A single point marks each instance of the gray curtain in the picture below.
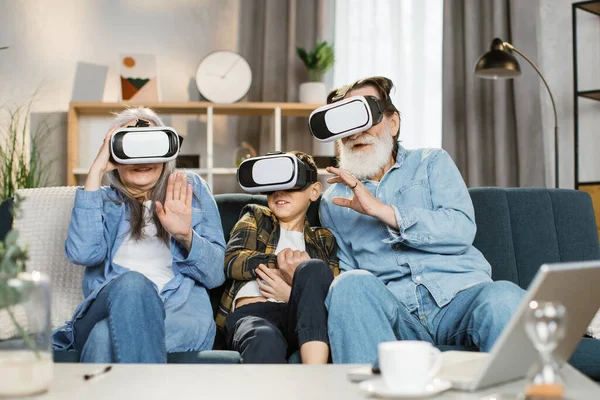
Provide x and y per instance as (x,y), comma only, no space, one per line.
(269,32)
(492,129)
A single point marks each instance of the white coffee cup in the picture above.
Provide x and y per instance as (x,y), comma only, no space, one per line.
(407,366)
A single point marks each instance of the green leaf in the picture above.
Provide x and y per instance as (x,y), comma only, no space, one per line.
(319,60)
(4,48)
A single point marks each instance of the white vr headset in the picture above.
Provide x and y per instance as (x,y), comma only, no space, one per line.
(273,172)
(344,118)
(145,145)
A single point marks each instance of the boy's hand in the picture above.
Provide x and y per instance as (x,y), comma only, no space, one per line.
(275,287)
(288,260)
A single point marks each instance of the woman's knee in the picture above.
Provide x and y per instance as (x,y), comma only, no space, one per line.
(132,281)
(131,286)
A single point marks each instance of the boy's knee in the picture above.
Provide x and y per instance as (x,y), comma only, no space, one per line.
(313,270)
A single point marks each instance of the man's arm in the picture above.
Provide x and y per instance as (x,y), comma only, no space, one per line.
(450,227)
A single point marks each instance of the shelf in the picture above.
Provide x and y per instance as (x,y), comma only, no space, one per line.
(201,107)
(592,183)
(590,94)
(273,109)
(589,6)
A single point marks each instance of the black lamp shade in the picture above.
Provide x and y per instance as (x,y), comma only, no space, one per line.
(497,63)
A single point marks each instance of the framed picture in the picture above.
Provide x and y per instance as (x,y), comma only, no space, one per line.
(139,81)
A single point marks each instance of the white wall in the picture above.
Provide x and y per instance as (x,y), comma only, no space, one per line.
(556,63)
(48,38)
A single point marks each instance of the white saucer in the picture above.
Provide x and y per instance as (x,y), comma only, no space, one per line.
(377,387)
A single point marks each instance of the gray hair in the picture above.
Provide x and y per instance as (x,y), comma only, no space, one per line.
(159,191)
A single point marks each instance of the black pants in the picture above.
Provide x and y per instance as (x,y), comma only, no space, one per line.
(268,333)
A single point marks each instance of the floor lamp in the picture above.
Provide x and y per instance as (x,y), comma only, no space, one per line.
(500,63)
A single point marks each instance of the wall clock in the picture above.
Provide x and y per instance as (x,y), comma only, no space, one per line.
(223,77)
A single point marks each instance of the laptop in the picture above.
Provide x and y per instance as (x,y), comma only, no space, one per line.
(573,284)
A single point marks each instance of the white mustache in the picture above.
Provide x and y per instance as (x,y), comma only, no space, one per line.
(351,143)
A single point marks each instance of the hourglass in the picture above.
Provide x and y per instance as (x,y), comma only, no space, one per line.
(545,325)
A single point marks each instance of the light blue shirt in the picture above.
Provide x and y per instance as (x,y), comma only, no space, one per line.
(434,243)
(100,223)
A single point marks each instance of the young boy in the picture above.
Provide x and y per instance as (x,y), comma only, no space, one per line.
(282,269)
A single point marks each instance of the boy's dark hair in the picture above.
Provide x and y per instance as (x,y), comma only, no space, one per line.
(306,159)
(382,85)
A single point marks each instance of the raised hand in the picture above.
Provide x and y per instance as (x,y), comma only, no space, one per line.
(363,201)
(101,164)
(176,214)
(288,260)
(273,287)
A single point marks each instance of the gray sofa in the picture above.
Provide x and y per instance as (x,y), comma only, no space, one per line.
(518,230)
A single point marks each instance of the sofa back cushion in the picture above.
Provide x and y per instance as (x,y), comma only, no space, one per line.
(520,229)
(42,226)
(231,205)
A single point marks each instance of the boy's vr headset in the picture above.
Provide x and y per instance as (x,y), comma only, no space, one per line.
(344,118)
(143,144)
(273,172)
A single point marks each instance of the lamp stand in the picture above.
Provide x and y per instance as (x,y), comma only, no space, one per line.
(510,46)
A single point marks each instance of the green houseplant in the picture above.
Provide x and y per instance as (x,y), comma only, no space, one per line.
(20,168)
(25,328)
(317,61)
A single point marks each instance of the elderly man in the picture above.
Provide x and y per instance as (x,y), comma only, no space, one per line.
(404,224)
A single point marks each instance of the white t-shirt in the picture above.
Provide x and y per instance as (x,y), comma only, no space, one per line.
(149,256)
(287,240)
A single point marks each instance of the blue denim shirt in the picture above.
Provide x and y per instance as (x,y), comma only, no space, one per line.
(434,244)
(99,224)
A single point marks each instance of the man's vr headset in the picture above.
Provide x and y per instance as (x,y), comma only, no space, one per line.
(143,144)
(273,172)
(344,118)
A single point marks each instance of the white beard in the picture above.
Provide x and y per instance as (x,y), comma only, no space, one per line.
(367,164)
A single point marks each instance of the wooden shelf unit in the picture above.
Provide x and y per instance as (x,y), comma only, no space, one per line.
(276,110)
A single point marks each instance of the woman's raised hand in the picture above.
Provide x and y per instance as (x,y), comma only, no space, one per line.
(176,214)
(101,164)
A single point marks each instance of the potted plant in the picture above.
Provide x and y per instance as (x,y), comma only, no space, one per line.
(21,164)
(317,62)
(25,327)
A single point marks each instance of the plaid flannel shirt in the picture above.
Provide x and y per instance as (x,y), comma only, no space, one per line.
(253,241)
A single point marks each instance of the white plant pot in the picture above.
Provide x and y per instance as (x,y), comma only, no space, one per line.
(312,93)
(26,366)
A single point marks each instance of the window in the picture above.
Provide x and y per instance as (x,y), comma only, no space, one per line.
(402,41)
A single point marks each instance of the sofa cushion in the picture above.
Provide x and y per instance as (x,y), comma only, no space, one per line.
(42,225)
(586,358)
(519,229)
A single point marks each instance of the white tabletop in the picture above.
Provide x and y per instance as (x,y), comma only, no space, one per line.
(247,382)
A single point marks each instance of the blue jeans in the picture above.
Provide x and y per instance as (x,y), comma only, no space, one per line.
(363,312)
(124,324)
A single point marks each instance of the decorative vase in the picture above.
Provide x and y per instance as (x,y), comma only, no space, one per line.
(26,365)
(312,93)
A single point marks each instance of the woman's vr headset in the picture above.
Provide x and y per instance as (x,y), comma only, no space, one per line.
(344,118)
(273,172)
(144,144)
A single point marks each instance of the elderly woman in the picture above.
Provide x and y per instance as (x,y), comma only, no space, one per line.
(152,244)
